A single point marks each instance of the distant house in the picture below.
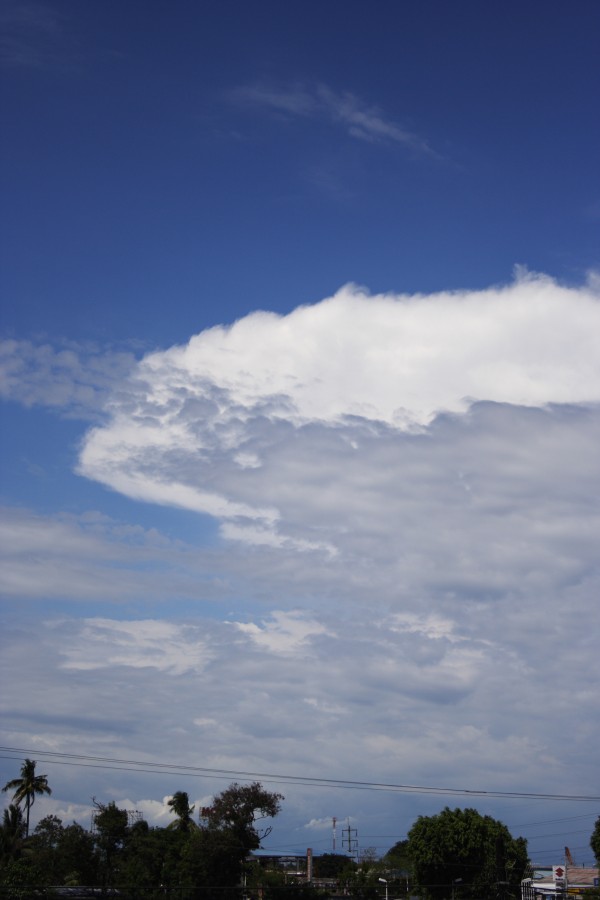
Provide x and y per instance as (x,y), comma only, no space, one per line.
(552,882)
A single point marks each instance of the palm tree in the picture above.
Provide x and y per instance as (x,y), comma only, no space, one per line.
(180,804)
(26,787)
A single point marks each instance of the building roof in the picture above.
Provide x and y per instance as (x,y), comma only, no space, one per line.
(577,876)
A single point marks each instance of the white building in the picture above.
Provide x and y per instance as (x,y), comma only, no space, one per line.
(559,881)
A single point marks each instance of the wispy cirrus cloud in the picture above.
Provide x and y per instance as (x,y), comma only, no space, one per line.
(343,109)
(32,34)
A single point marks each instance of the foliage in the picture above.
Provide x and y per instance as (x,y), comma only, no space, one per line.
(463,854)
(150,859)
(215,854)
(64,854)
(137,858)
(595,841)
(110,824)
(398,857)
(17,878)
(398,868)
(187,860)
(368,858)
(212,859)
(76,853)
(238,808)
(180,805)
(332,865)
(277,885)
(12,832)
(363,883)
(27,787)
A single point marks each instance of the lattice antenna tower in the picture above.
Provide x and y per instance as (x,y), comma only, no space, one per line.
(133,816)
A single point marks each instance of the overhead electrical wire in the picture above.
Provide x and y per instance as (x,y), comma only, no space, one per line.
(555,821)
(129,765)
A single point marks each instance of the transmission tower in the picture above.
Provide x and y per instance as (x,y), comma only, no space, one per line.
(350,840)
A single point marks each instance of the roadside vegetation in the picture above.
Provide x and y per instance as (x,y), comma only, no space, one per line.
(207,855)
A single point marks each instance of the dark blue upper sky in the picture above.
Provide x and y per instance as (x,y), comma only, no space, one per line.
(138,178)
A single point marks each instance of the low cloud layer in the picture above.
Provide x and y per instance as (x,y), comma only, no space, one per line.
(412,482)
(75,378)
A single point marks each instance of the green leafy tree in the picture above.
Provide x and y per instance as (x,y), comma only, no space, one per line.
(27,787)
(332,865)
(273,884)
(64,854)
(213,863)
(110,826)
(19,879)
(460,853)
(237,810)
(147,863)
(214,855)
(595,841)
(398,868)
(363,883)
(141,867)
(19,873)
(43,847)
(77,857)
(12,832)
(398,856)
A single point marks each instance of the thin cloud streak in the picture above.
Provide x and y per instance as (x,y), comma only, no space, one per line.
(94,559)
(345,109)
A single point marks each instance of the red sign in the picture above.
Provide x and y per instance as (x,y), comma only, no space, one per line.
(558,874)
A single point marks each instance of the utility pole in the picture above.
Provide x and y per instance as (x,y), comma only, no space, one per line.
(350,840)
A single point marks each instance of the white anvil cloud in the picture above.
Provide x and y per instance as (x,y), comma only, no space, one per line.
(395,358)
(196,424)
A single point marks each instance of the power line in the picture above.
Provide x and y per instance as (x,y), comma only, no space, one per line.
(129,765)
(555,821)
(542,837)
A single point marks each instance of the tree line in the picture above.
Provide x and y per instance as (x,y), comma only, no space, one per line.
(187,859)
(457,853)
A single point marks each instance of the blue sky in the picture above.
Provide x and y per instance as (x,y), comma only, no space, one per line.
(300,379)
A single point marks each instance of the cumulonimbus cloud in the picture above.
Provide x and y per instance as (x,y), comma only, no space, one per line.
(407,492)
(194,425)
